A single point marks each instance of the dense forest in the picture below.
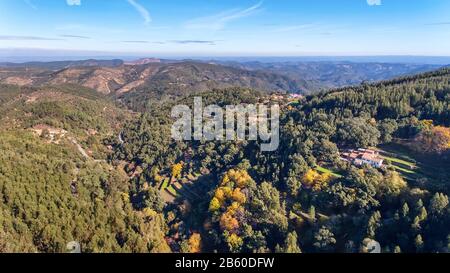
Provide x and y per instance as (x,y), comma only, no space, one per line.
(147,193)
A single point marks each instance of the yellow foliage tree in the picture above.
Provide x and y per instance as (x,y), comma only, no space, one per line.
(223,193)
(214,205)
(434,140)
(195,243)
(393,183)
(240,178)
(315,181)
(322,181)
(225,180)
(238,196)
(234,242)
(235,206)
(229,200)
(309,178)
(176,170)
(219,195)
(228,222)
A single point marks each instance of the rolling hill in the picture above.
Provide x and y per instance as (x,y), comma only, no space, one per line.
(173,78)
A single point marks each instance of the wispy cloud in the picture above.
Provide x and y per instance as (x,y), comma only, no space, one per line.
(220,20)
(142,11)
(136,42)
(27,38)
(374,2)
(182,42)
(75,36)
(73,2)
(193,42)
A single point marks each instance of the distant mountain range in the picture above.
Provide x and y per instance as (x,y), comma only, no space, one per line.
(326,75)
(116,77)
(151,79)
(63,64)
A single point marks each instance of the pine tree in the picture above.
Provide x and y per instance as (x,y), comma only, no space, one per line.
(291,243)
(438,203)
(419,243)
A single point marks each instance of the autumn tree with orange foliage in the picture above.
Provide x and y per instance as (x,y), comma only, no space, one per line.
(228,203)
(434,140)
(195,243)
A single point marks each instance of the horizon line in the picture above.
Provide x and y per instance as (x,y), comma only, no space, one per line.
(99,53)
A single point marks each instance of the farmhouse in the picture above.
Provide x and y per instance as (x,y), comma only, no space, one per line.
(48,131)
(363,156)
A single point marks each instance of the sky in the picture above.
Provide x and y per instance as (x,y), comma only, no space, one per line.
(228,27)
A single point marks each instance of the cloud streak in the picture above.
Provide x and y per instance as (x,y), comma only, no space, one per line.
(181,42)
(136,42)
(145,14)
(220,20)
(374,2)
(184,42)
(73,2)
(27,38)
(75,36)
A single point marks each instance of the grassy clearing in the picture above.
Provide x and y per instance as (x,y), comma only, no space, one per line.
(325,170)
(172,191)
(403,170)
(400,161)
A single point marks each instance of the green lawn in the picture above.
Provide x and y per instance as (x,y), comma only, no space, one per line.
(172,191)
(404,170)
(165,184)
(400,161)
(324,170)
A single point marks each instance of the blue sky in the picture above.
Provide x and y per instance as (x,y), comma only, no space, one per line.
(229,27)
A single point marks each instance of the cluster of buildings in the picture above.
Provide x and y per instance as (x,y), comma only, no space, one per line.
(49,132)
(363,156)
(281,98)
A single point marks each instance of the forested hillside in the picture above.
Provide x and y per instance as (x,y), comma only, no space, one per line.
(303,197)
(143,192)
(55,184)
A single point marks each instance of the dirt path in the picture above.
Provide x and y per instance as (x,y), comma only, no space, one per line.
(121,139)
(83,151)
